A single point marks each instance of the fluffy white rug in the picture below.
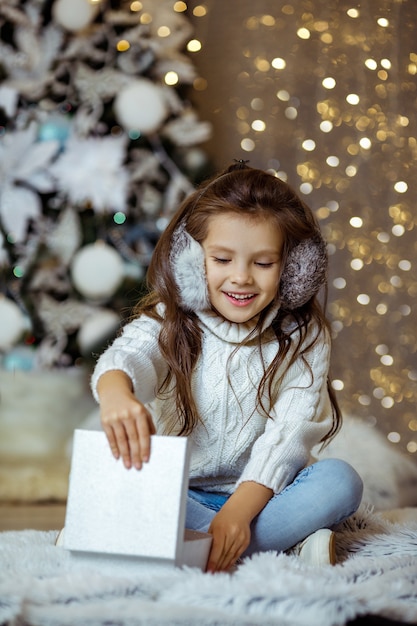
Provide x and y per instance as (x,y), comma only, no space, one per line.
(376,574)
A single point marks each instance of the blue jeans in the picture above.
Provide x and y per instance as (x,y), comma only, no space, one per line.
(321,496)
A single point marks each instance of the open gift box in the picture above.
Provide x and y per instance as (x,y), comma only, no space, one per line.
(126,518)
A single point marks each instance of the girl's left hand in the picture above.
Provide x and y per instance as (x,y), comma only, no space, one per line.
(231,537)
(231,526)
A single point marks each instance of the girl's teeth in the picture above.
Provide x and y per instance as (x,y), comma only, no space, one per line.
(240,297)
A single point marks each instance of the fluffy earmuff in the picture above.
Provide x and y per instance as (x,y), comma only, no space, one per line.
(304,272)
(188,268)
(303,275)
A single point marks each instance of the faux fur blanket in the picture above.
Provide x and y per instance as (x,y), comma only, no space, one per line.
(376,574)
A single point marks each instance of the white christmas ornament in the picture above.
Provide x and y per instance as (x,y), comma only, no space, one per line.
(141,106)
(97,270)
(101,326)
(12,323)
(74,15)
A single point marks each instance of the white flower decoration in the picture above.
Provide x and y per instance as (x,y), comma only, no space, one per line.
(30,67)
(91,171)
(23,171)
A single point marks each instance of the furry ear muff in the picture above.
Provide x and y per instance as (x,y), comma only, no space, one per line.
(188,267)
(304,272)
(303,275)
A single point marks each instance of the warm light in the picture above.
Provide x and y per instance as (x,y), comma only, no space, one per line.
(257,104)
(136,6)
(404,265)
(339,283)
(171,78)
(283,95)
(352,98)
(278,63)
(371,64)
(303,33)
(333,161)
(200,10)
(163,31)
(309,145)
(194,45)
(401,186)
(146,18)
(262,64)
(267,20)
(306,188)
(258,125)
(123,45)
(365,143)
(326,126)
(398,230)
(353,13)
(247,144)
(351,171)
(291,113)
(363,299)
(328,83)
(387,360)
(394,437)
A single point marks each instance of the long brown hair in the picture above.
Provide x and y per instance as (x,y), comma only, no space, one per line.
(252,193)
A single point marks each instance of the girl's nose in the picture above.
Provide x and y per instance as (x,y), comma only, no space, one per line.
(241,275)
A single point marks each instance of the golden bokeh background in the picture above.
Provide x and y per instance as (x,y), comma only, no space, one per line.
(323,93)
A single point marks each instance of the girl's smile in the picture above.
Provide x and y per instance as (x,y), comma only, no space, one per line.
(242,264)
(241,299)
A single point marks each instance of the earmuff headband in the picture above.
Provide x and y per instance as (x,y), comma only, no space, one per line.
(303,275)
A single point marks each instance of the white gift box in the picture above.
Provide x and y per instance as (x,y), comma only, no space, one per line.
(126,518)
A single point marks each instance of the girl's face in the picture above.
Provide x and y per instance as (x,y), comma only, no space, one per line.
(243,258)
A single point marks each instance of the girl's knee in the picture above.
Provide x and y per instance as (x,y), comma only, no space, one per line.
(345,480)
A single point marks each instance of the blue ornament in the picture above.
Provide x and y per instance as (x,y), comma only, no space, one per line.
(56,128)
(19,358)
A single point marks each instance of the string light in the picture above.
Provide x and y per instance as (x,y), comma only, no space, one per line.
(325,101)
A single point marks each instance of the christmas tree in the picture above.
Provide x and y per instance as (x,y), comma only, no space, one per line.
(98,145)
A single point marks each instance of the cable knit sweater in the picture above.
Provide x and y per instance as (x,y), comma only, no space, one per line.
(234,441)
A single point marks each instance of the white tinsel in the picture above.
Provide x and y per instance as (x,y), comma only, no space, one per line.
(91,171)
(66,237)
(22,160)
(187,130)
(29,69)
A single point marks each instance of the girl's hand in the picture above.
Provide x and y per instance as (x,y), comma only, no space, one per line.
(231,526)
(231,537)
(126,421)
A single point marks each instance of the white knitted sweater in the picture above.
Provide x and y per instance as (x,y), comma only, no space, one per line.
(234,442)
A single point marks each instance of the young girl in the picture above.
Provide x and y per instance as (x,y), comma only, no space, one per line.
(231,348)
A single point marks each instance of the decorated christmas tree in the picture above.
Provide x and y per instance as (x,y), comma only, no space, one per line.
(98,145)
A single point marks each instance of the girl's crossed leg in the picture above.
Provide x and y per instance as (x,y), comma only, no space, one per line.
(321,496)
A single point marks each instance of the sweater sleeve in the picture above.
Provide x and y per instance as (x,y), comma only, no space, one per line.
(135,352)
(301,416)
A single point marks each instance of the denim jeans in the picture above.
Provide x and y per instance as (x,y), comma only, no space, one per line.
(321,496)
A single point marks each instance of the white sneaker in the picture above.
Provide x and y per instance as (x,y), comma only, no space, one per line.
(318,548)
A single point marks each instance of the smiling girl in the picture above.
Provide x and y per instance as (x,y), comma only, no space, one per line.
(231,348)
